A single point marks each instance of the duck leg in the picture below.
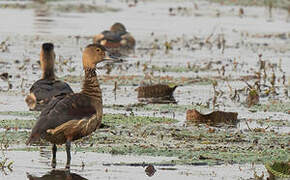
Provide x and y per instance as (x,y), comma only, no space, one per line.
(53,162)
(67,148)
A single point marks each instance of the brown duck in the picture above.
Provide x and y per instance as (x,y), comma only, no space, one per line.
(71,117)
(43,90)
(116,39)
(158,93)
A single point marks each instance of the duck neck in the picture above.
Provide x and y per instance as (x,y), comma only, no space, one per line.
(48,74)
(91,85)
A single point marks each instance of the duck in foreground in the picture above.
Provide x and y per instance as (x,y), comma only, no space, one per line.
(71,117)
(43,90)
(117,40)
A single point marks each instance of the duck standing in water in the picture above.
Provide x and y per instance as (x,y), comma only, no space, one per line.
(117,40)
(71,117)
(43,90)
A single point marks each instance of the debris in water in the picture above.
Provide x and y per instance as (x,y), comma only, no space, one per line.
(150,170)
(4,76)
(241,12)
(253,96)
(257,177)
(278,170)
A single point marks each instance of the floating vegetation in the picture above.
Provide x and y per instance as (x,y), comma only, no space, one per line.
(214,66)
(83,8)
(108,119)
(157,107)
(276,3)
(272,106)
(115,119)
(66,8)
(5,163)
(190,145)
(20,113)
(136,79)
(278,170)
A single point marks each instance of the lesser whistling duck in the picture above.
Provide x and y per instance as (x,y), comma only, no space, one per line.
(43,90)
(71,117)
(158,93)
(116,39)
(214,118)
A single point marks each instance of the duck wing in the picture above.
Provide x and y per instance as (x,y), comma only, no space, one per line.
(62,109)
(111,36)
(45,89)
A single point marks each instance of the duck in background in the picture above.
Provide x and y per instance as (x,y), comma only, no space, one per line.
(43,90)
(157,93)
(117,40)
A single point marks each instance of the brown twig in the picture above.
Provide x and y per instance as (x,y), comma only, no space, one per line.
(248,126)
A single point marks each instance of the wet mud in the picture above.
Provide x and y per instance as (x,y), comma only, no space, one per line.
(221,59)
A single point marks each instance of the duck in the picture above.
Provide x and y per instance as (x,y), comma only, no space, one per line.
(71,117)
(47,87)
(117,40)
(156,93)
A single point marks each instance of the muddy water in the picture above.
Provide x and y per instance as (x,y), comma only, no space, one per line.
(99,166)
(24,39)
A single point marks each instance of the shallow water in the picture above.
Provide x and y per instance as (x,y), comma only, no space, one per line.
(70,32)
(95,167)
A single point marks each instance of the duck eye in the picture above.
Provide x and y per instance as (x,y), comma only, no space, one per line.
(98,50)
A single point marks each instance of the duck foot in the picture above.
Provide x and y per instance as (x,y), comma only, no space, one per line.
(53,164)
(53,161)
(67,148)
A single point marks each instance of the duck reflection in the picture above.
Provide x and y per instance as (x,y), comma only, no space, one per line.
(43,20)
(57,175)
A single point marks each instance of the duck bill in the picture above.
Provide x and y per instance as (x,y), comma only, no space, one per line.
(110,58)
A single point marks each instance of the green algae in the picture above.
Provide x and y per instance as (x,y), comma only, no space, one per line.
(279,169)
(84,8)
(283,168)
(66,8)
(157,136)
(134,80)
(276,3)
(16,124)
(273,123)
(272,106)
(158,107)
(115,119)
(175,68)
(20,113)
(108,119)
(189,145)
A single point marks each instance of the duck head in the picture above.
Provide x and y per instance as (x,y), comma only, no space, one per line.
(94,54)
(118,27)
